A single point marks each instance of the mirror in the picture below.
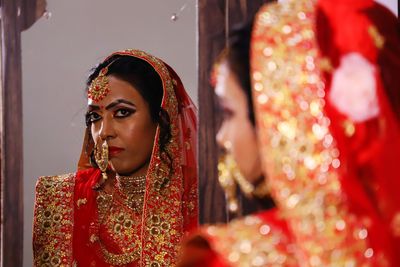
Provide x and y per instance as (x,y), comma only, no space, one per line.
(57,53)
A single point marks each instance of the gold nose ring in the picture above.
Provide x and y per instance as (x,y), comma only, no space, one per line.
(228,145)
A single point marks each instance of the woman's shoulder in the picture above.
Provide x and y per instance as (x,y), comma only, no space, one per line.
(51,182)
(55,182)
(260,223)
(53,218)
(56,179)
(263,236)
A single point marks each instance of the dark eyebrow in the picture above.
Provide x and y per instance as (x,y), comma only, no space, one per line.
(111,105)
(93,107)
(116,102)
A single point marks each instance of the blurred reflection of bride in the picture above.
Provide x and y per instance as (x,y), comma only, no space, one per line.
(326,102)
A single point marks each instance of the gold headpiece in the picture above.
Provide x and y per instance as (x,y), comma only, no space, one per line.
(99,88)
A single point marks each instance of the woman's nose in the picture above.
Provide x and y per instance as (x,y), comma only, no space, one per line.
(222,137)
(107,130)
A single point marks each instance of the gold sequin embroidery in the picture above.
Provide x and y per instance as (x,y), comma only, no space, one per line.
(53,221)
(301,157)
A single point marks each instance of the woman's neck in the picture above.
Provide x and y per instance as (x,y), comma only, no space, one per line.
(132,185)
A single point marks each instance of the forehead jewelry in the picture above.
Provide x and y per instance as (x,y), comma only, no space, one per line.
(99,88)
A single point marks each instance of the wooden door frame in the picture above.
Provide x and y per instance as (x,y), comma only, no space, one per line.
(16,16)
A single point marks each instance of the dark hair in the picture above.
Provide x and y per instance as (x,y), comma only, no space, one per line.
(237,55)
(143,77)
(388,57)
(137,73)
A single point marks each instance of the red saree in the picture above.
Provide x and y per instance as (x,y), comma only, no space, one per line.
(72,227)
(261,239)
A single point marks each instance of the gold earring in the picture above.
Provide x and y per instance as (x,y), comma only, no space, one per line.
(229,177)
(101,158)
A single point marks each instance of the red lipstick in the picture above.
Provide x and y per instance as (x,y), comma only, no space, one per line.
(113,150)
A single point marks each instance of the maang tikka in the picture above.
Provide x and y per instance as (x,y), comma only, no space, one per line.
(101,158)
(99,88)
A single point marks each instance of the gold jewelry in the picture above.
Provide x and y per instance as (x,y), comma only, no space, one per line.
(132,191)
(99,88)
(230,176)
(121,259)
(261,189)
(227,182)
(101,158)
(377,38)
(228,145)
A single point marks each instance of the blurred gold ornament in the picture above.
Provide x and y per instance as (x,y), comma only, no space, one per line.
(99,87)
(229,177)
(101,158)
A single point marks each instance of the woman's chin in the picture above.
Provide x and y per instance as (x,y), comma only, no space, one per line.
(117,168)
(123,167)
(251,176)
(248,175)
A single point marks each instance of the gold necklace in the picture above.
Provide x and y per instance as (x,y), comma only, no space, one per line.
(120,259)
(131,190)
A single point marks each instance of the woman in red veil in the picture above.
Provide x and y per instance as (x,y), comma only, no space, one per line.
(134,195)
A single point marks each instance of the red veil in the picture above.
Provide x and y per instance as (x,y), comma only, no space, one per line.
(170,205)
(334,178)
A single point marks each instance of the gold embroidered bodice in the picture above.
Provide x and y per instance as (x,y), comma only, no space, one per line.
(119,225)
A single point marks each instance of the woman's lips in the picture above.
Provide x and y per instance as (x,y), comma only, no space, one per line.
(113,150)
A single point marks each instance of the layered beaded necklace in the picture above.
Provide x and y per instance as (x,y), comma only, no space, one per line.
(131,190)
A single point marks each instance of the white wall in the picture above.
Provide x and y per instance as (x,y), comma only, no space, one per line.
(391,4)
(57,55)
